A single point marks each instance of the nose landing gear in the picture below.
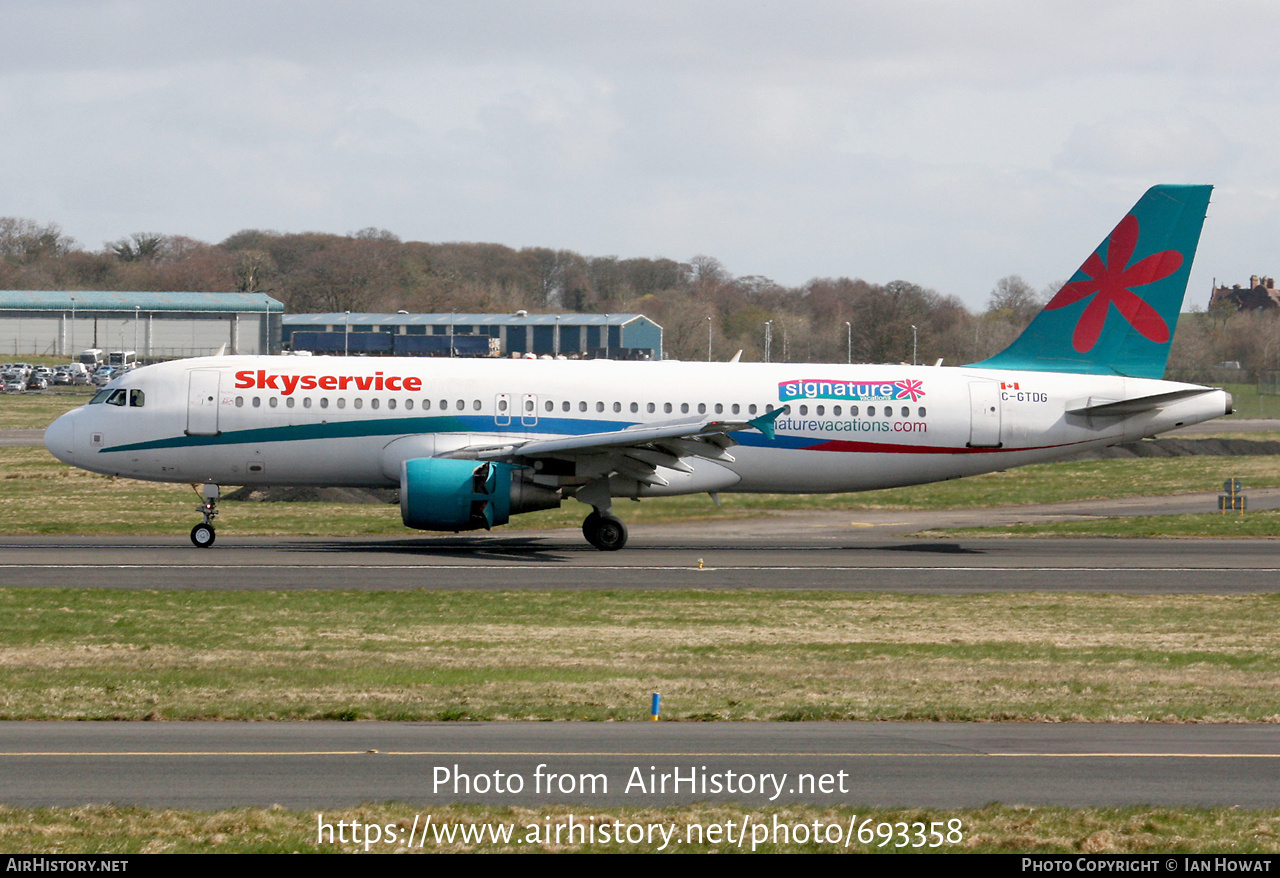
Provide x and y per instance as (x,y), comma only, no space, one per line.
(203,534)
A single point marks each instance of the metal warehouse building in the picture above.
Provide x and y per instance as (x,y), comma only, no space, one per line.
(615,336)
(156,325)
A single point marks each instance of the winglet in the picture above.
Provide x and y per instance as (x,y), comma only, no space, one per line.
(764,423)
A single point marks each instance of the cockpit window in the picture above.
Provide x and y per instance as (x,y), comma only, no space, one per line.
(100,397)
(117,397)
(137,398)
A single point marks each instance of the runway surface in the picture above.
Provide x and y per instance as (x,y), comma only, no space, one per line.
(942,765)
(754,554)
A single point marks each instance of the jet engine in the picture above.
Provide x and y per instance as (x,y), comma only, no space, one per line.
(453,495)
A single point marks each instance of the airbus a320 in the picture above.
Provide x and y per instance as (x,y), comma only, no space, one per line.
(472,442)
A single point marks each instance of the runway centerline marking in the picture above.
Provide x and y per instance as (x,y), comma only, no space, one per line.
(629,755)
(618,567)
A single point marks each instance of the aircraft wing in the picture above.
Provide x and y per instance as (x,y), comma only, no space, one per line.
(635,452)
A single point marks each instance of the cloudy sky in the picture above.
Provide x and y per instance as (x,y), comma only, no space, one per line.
(945,143)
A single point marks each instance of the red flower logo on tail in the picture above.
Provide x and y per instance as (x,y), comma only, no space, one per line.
(1111,283)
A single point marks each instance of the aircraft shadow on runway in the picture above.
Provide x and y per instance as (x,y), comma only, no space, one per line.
(470,548)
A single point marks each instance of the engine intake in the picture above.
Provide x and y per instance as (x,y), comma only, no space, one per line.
(445,494)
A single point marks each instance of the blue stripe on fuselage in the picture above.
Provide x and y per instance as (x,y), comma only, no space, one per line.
(377,427)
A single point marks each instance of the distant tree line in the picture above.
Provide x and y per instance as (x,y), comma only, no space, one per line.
(824,320)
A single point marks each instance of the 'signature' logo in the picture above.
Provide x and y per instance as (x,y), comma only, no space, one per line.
(824,388)
(261,379)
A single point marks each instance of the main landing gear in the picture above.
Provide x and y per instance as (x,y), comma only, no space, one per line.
(606,533)
(203,534)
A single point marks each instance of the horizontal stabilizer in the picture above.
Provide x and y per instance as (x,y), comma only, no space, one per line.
(1125,407)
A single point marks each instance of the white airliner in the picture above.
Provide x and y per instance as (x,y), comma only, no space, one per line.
(471,442)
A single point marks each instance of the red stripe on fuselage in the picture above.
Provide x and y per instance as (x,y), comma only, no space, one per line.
(886,448)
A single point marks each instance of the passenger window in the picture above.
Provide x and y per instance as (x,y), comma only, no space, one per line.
(617,406)
(408,404)
(550,406)
(239,402)
(819,410)
(306,403)
(599,406)
(324,402)
(736,408)
(475,404)
(804,410)
(582,406)
(257,402)
(906,411)
(666,407)
(137,398)
(564,406)
(922,411)
(684,408)
(871,411)
(358,402)
(635,407)
(853,411)
(342,402)
(835,410)
(373,403)
(288,403)
(651,408)
(719,409)
(274,401)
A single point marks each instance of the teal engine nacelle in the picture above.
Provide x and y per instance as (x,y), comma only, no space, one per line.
(445,494)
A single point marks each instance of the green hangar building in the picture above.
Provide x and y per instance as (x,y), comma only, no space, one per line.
(155,325)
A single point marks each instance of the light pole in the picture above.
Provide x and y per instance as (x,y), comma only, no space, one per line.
(346,336)
(849,341)
(768,338)
(915,338)
(708,339)
(73,327)
(135,331)
(556,340)
(606,336)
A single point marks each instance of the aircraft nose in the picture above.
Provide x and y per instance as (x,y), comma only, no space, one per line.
(60,439)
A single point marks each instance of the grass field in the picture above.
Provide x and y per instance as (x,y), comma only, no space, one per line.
(735,655)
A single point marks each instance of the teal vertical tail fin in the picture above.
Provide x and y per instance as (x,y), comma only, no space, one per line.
(1117,314)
